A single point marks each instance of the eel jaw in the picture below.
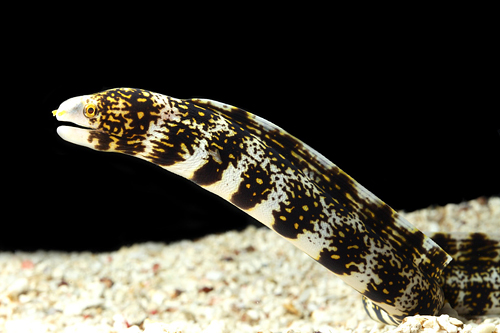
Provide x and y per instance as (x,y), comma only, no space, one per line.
(76,135)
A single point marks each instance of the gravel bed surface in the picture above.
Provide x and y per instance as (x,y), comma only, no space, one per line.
(249,281)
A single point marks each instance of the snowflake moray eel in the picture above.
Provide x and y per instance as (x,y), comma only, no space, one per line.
(298,193)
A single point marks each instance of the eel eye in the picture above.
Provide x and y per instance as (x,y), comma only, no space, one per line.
(90,110)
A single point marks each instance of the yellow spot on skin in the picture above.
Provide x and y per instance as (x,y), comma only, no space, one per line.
(184,148)
(60,113)
(341,234)
(183,106)
(385,291)
(141,100)
(353,263)
(140,115)
(265,191)
(259,181)
(282,218)
(296,226)
(126,96)
(305,208)
(335,256)
(279,144)
(201,114)
(217,146)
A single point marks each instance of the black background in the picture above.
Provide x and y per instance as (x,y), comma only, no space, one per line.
(410,113)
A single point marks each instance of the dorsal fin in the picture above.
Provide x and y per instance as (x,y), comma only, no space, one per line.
(312,163)
(427,254)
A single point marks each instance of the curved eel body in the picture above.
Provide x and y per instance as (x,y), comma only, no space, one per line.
(292,189)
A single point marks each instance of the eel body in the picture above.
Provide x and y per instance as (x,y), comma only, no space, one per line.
(289,187)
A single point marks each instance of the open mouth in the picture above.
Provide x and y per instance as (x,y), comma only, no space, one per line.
(70,124)
(65,125)
(77,134)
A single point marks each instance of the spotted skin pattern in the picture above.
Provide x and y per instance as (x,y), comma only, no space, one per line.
(472,283)
(280,181)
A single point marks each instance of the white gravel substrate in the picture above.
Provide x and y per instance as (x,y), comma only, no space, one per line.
(250,281)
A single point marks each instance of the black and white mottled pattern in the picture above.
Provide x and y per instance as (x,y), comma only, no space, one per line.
(471,282)
(280,181)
